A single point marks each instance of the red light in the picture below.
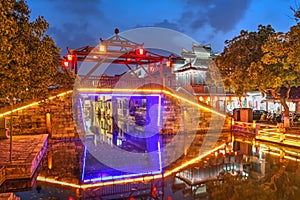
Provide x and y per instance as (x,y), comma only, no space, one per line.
(128,59)
(168,63)
(140,51)
(154,191)
(131,198)
(69,57)
(65,64)
(71,198)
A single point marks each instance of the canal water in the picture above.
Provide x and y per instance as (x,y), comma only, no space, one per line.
(241,169)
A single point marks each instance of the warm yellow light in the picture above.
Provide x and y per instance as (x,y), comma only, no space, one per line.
(49,180)
(292,152)
(34,104)
(292,135)
(254,124)
(192,161)
(50,160)
(119,90)
(191,102)
(99,184)
(102,48)
(291,158)
(124,181)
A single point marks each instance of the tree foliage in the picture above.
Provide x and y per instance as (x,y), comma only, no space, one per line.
(29,57)
(279,66)
(239,55)
(263,61)
(279,183)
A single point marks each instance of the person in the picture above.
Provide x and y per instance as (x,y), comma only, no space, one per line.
(269,116)
(262,117)
(292,119)
(274,116)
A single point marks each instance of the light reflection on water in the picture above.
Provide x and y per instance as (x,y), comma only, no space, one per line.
(257,162)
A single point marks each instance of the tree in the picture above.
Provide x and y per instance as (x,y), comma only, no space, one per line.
(239,54)
(262,61)
(279,67)
(29,57)
(296,11)
(13,70)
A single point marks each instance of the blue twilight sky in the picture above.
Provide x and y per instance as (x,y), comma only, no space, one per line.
(77,23)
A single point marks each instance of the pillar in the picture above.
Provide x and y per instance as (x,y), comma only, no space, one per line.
(48,122)
(298,107)
(2,128)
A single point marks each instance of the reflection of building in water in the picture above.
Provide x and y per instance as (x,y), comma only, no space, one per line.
(116,118)
(243,159)
(254,163)
(105,123)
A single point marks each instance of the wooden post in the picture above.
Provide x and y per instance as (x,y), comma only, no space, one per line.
(2,128)
(297,107)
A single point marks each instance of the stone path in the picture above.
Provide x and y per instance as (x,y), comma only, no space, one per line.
(27,153)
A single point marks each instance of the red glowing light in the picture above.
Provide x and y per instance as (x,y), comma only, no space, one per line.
(168,63)
(65,64)
(69,57)
(154,191)
(128,59)
(140,51)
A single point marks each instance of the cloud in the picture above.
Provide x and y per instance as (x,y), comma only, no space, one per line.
(78,8)
(221,15)
(164,24)
(74,23)
(72,35)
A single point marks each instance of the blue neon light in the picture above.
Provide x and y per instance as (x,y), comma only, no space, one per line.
(83,167)
(106,178)
(115,94)
(159,106)
(159,156)
(82,117)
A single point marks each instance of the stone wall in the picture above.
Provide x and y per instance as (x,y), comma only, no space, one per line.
(54,118)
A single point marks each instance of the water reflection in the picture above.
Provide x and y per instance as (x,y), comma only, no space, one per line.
(244,168)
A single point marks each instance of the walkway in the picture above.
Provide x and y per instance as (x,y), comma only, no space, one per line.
(269,133)
(27,153)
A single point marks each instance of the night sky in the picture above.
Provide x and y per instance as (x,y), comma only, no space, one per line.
(77,23)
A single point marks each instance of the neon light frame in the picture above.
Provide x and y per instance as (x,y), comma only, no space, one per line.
(118,177)
(129,95)
(124,181)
